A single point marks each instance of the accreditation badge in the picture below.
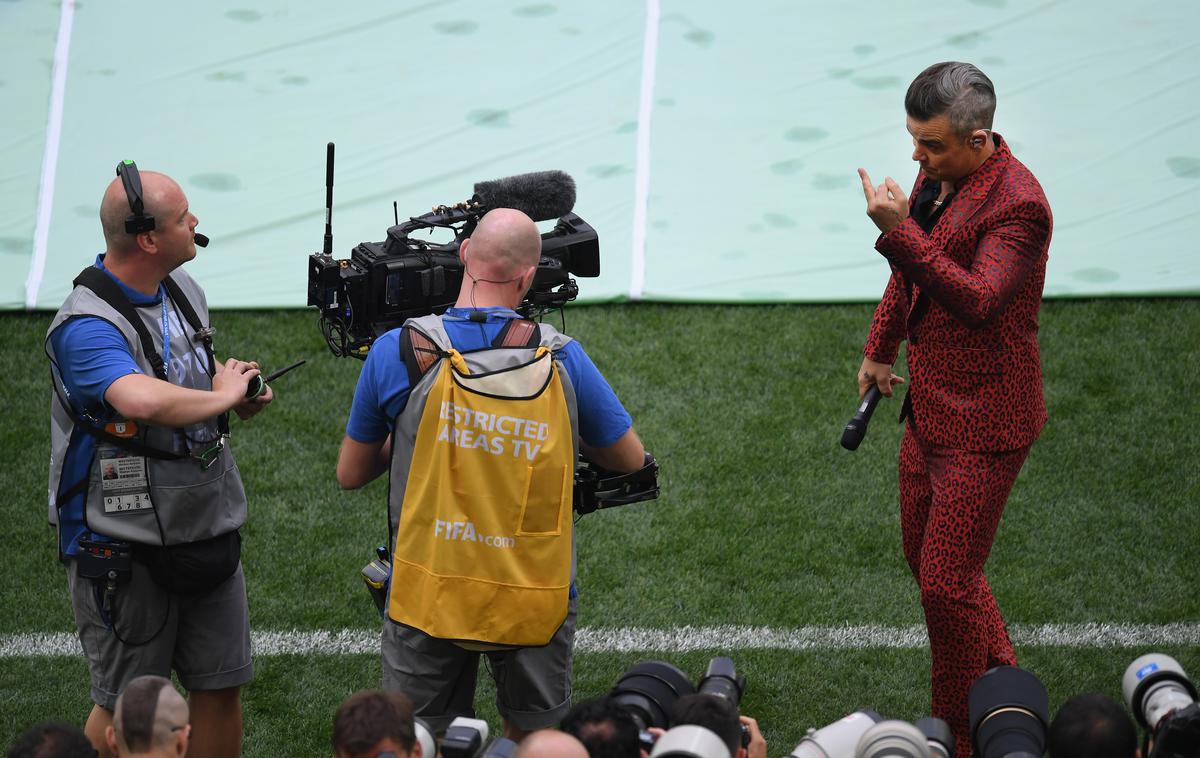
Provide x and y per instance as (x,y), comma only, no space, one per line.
(124,487)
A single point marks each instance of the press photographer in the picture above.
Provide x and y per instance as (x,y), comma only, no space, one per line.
(738,735)
(490,411)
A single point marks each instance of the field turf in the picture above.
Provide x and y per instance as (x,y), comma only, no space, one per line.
(764,520)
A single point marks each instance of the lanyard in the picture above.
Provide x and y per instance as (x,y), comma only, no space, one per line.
(166,334)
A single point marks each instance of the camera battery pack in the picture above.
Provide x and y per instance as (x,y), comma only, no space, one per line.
(375,575)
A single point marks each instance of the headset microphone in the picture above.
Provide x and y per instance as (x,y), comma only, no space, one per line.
(201,240)
(857,427)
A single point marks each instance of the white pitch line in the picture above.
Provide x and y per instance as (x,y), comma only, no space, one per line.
(684,639)
(641,181)
(45,203)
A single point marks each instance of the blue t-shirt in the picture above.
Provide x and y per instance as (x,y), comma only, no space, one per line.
(383,389)
(92,354)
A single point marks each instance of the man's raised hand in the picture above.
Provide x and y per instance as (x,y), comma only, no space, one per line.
(887,205)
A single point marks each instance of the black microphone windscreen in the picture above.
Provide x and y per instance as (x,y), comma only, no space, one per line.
(541,195)
(201,240)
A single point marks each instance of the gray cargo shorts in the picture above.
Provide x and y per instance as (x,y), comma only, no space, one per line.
(533,684)
(204,638)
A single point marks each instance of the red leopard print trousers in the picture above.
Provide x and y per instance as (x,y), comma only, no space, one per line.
(950,505)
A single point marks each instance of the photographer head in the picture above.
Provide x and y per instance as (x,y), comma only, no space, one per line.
(550,743)
(151,718)
(499,260)
(371,722)
(52,738)
(604,728)
(1092,725)
(720,717)
(715,714)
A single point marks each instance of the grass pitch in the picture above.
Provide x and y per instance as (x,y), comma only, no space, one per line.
(763,520)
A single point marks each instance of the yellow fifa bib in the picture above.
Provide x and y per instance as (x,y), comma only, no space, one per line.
(483,548)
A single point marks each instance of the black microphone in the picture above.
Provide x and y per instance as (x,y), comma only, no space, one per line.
(201,240)
(853,434)
(541,195)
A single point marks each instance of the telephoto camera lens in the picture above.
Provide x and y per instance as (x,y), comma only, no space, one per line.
(721,679)
(938,735)
(1154,685)
(1163,700)
(648,690)
(690,741)
(839,739)
(425,737)
(1010,713)
(894,739)
(464,737)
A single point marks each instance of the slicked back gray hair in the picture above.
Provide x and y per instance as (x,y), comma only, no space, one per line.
(956,90)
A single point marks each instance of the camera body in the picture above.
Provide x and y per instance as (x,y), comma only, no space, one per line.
(384,283)
(468,738)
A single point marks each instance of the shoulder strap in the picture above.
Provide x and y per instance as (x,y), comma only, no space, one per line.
(181,302)
(518,332)
(418,352)
(108,291)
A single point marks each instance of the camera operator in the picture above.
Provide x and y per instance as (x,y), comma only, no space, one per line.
(371,723)
(466,465)
(1092,726)
(606,729)
(719,716)
(139,395)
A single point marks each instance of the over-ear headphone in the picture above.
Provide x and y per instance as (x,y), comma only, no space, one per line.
(138,221)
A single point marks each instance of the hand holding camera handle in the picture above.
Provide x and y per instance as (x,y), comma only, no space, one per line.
(258,384)
(852,436)
(596,488)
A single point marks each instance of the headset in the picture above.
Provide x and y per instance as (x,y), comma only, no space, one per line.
(138,221)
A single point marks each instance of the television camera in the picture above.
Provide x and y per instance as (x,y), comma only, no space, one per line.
(383,283)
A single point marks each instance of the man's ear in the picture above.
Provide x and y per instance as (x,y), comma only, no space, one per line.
(979,138)
(145,242)
(462,250)
(181,739)
(110,737)
(527,279)
(416,750)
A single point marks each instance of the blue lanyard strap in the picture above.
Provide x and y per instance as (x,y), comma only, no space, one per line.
(166,334)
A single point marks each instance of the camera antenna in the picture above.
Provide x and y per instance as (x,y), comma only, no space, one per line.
(396,212)
(328,249)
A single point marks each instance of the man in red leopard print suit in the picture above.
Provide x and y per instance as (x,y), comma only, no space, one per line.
(968,259)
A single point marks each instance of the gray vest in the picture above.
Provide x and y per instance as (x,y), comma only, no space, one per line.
(190,502)
(405,434)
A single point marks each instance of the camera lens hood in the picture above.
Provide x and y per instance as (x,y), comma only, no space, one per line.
(893,738)
(1010,712)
